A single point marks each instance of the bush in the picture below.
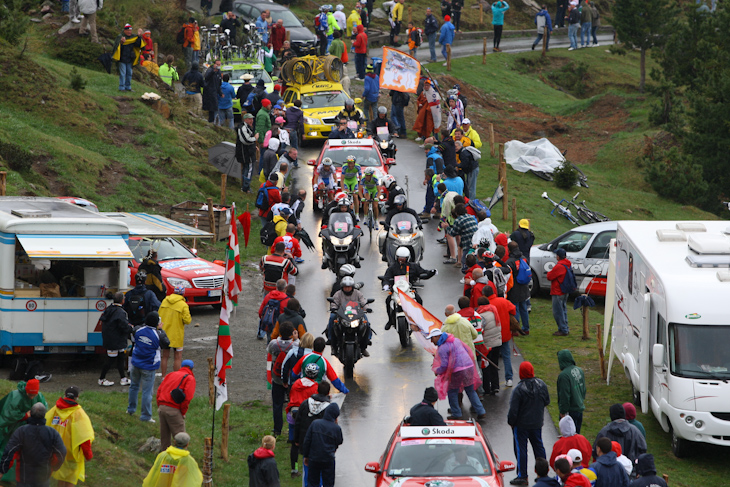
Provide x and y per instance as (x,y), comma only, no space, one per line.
(16,157)
(78,82)
(675,176)
(79,52)
(565,175)
(13,21)
(572,77)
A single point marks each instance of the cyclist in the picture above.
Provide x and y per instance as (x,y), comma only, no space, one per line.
(325,181)
(402,267)
(350,112)
(351,174)
(369,191)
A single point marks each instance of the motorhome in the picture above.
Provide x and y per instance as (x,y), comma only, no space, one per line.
(671,326)
(58,261)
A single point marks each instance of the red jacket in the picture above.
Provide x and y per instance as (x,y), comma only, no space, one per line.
(567,443)
(172,381)
(468,277)
(577,480)
(300,391)
(274,197)
(280,295)
(361,41)
(476,293)
(291,245)
(504,309)
(556,276)
(278,36)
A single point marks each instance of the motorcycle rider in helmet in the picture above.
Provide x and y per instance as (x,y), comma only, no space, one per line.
(342,297)
(347,270)
(382,120)
(393,190)
(402,267)
(339,196)
(399,206)
(350,112)
(343,206)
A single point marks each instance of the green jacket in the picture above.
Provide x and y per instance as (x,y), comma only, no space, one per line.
(571,384)
(337,48)
(12,411)
(263,123)
(168,74)
(331,23)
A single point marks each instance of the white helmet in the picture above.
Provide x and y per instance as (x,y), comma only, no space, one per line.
(347,281)
(369,170)
(347,270)
(344,202)
(327,161)
(399,200)
(388,180)
(402,252)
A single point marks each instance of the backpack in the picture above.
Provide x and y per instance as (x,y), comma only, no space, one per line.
(268,233)
(500,282)
(262,198)
(569,284)
(135,308)
(479,206)
(320,23)
(277,367)
(181,35)
(524,273)
(177,394)
(418,37)
(270,316)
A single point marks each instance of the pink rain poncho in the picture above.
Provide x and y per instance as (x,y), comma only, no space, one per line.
(454,366)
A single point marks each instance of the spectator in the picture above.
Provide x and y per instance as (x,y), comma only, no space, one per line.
(646,473)
(189,28)
(263,125)
(595,23)
(524,238)
(280,346)
(543,20)
(325,369)
(622,459)
(212,92)
(400,101)
(246,139)
(424,413)
(140,301)
(431,28)
(361,53)
(331,26)
(414,38)
(448,151)
(609,473)
(445,8)
(287,52)
(626,434)
(573,24)
(505,310)
(371,94)
(542,469)
(267,58)
(150,65)
(569,478)
(263,27)
(225,104)
(36,450)
(175,466)
(337,47)
(295,125)
(321,441)
(15,406)
(193,82)
(519,295)
(460,327)
(291,314)
(464,227)
(579,459)
(571,388)
(245,89)
(353,21)
(309,411)
(231,23)
(456,6)
(492,336)
(452,181)
(365,12)
(320,28)
(560,299)
(278,35)
(630,411)
(167,72)
(396,20)
(526,415)
(148,339)
(88,24)
(126,54)
(570,440)
(446,36)
(196,44)
(262,468)
(276,266)
(498,9)
(175,314)
(69,419)
(456,113)
(586,23)
(173,406)
(469,158)
(560,13)
(115,331)
(341,19)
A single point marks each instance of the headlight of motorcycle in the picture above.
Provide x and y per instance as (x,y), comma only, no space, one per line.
(346,241)
(405,239)
(383,144)
(354,324)
(312,121)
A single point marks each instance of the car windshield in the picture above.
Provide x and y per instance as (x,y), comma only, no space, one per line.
(290,20)
(167,249)
(341,223)
(365,156)
(324,99)
(572,241)
(403,223)
(699,351)
(438,457)
(257,74)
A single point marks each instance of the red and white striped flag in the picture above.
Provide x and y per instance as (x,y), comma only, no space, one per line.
(233,260)
(223,354)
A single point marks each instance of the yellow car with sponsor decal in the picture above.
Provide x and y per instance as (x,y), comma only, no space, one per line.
(321,102)
(236,71)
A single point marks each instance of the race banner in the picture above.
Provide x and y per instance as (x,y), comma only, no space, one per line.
(421,317)
(399,71)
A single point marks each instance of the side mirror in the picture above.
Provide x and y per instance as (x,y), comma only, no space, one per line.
(658,355)
(331,300)
(390,161)
(194,251)
(311,162)
(274,78)
(372,467)
(507,466)
(371,300)
(358,101)
(219,262)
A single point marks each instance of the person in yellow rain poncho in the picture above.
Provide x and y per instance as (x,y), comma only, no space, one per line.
(175,314)
(70,420)
(126,53)
(175,467)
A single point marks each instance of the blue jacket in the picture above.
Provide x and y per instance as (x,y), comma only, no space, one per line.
(435,160)
(262,27)
(527,404)
(336,134)
(447,33)
(455,184)
(323,437)
(151,303)
(372,88)
(610,473)
(548,20)
(227,96)
(498,9)
(546,482)
(146,354)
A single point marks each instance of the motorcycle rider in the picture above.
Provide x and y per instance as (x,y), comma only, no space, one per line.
(393,190)
(369,185)
(382,120)
(339,196)
(351,113)
(342,207)
(347,294)
(351,174)
(402,267)
(345,271)
(325,180)
(399,206)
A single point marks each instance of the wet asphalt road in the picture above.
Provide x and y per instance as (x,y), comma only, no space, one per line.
(389,382)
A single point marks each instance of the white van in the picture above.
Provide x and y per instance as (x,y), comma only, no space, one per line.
(671,326)
(57,263)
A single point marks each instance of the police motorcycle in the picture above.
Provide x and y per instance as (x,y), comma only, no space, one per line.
(404,231)
(350,328)
(340,241)
(385,142)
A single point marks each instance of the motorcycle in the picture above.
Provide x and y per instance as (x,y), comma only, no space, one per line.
(357,129)
(385,143)
(349,328)
(393,306)
(340,242)
(403,232)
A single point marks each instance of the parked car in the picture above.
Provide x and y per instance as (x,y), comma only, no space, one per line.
(303,41)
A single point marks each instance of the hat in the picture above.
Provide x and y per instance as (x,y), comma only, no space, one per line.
(560,253)
(72,392)
(340,7)
(436,332)
(525,223)
(616,447)
(286,211)
(279,120)
(32,387)
(575,455)
(260,83)
(629,410)
(247,116)
(152,319)
(127,26)
(182,439)
(427,146)
(273,177)
(466,121)
(430,395)
(527,371)
(616,411)
(247,77)
(274,144)
(450,171)
(277,87)
(265,102)
(188,363)
(447,18)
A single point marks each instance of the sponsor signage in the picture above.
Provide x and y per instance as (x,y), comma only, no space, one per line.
(438,431)
(351,142)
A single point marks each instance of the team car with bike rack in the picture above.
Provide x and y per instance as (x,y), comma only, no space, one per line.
(455,455)
(321,102)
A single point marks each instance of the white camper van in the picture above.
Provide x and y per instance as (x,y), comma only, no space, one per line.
(671,324)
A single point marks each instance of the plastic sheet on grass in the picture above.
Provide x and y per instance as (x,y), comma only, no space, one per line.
(538,155)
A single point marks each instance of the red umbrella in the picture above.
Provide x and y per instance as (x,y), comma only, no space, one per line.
(245,220)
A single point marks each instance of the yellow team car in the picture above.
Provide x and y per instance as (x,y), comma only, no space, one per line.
(321,102)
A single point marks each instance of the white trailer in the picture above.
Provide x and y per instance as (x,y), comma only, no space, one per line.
(671,325)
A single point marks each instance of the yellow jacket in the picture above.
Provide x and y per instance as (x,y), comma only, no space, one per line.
(175,314)
(280,224)
(174,467)
(397,12)
(472,134)
(460,327)
(152,67)
(353,18)
(196,41)
(75,429)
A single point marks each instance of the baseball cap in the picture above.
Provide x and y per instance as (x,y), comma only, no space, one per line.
(247,116)
(525,223)
(466,121)
(279,120)
(188,363)
(575,455)
(435,333)
(127,26)
(560,253)
(72,392)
